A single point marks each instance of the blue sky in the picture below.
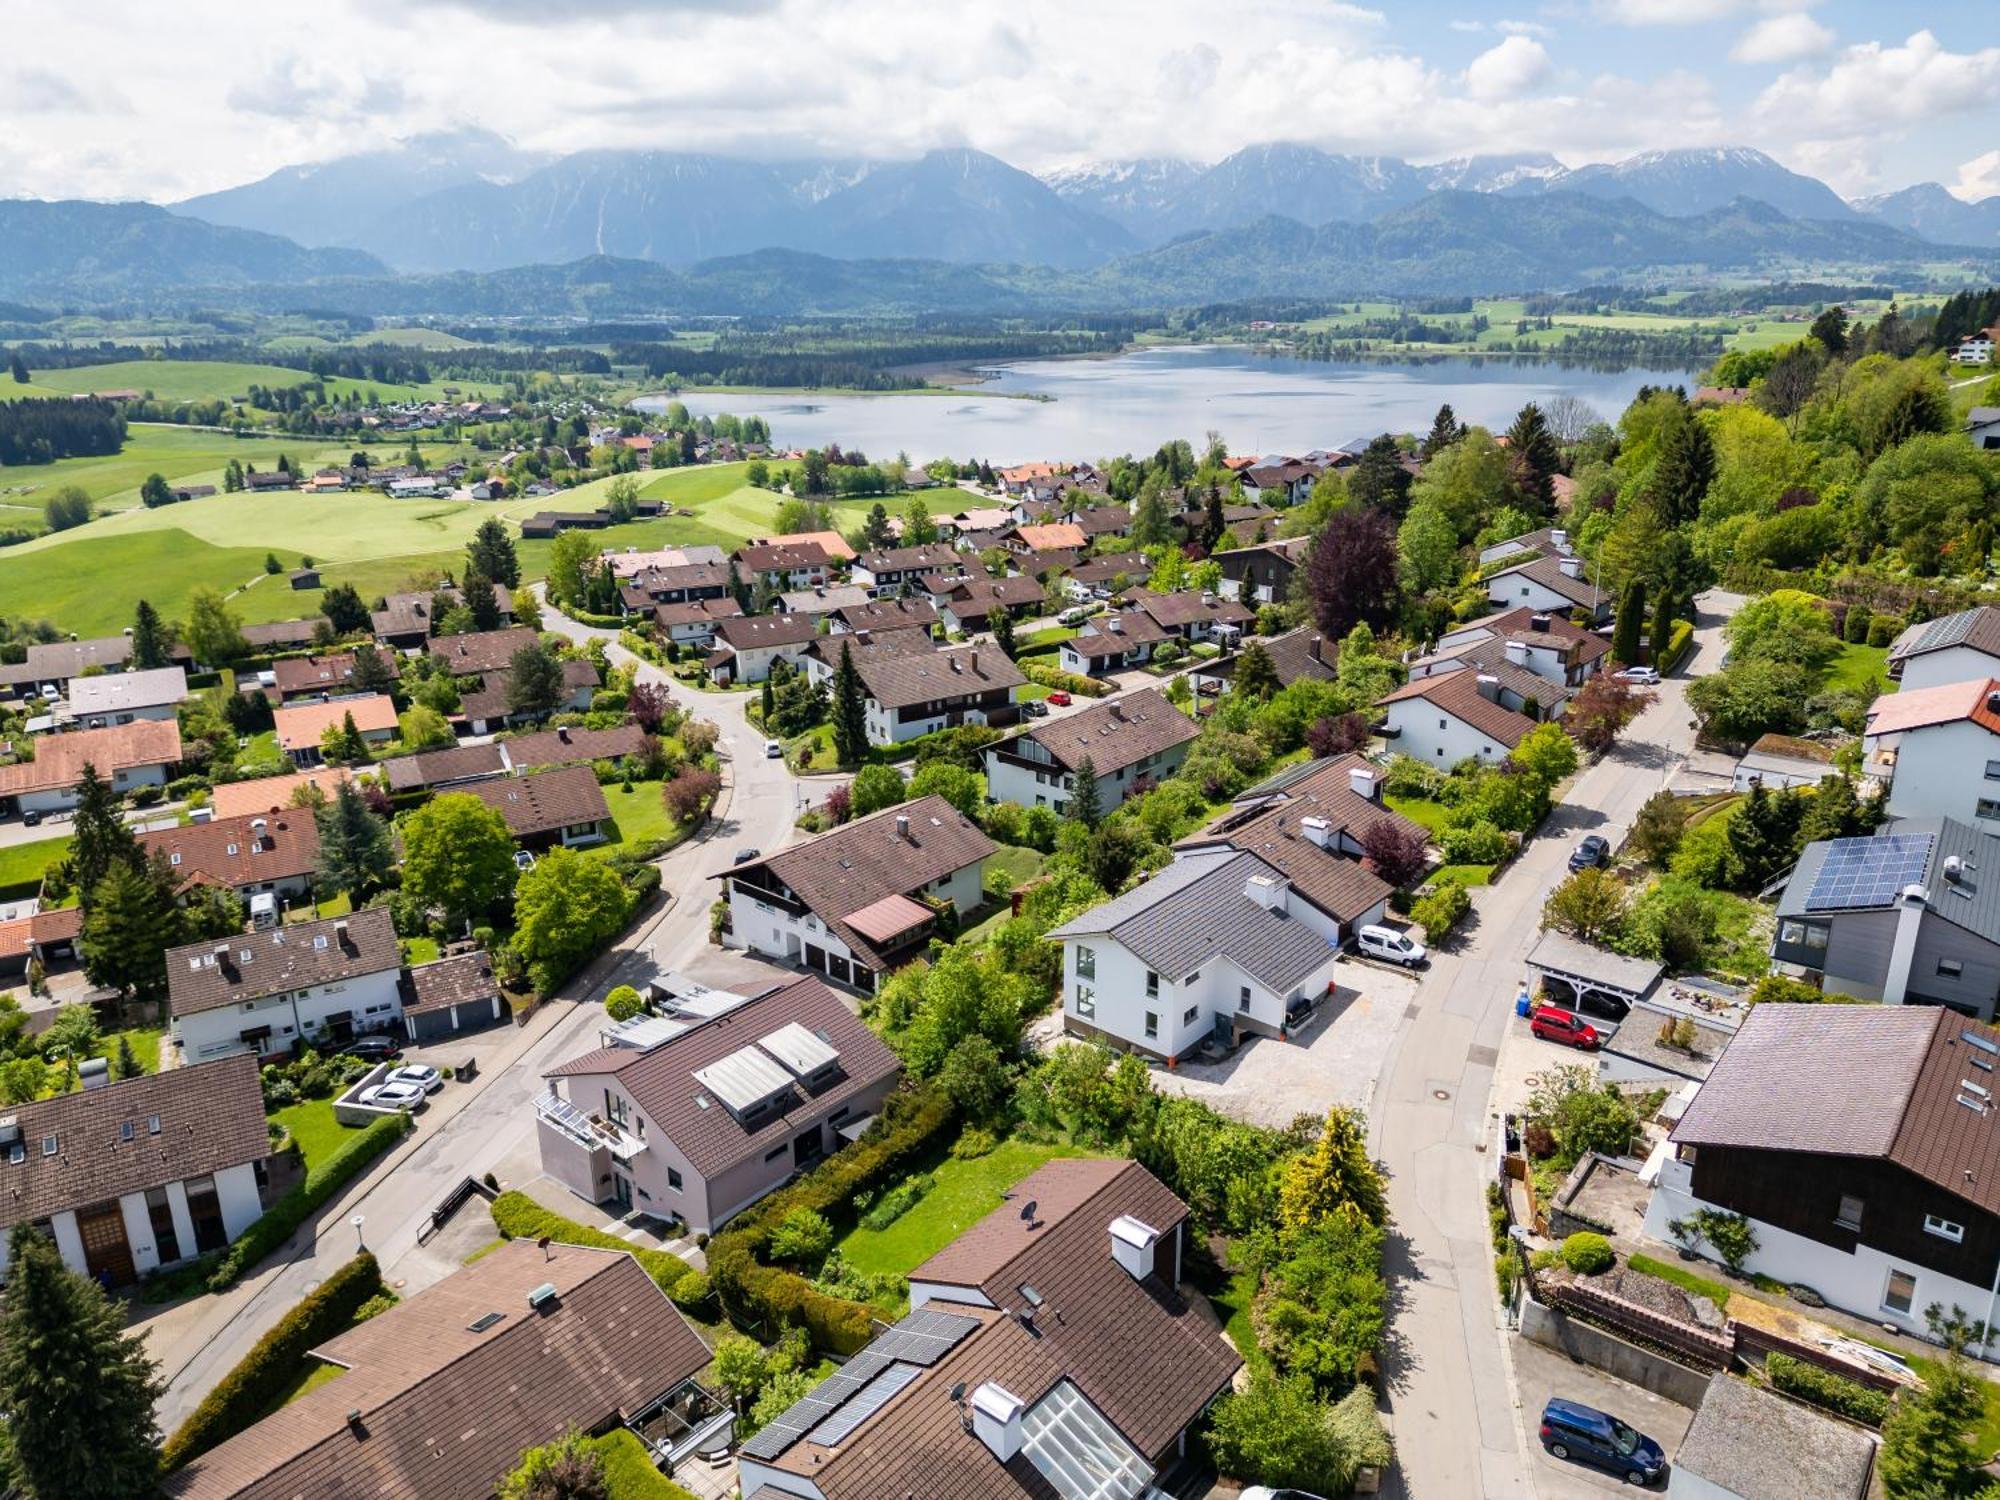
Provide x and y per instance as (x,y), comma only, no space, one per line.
(129,98)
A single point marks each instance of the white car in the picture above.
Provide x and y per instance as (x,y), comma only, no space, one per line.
(1643,676)
(394,1096)
(1391,946)
(418,1075)
(524,860)
(773,750)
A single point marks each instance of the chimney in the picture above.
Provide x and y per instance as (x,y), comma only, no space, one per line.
(1115,625)
(1559,540)
(1993,702)
(1572,566)
(1208,598)
(1910,908)
(1539,623)
(1489,687)
(94,1073)
(996,1419)
(903,827)
(1268,892)
(340,933)
(1318,830)
(562,733)
(974,659)
(1517,653)
(1363,781)
(257,827)
(1132,1243)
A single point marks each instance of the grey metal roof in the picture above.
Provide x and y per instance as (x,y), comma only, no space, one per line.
(1174,924)
(744,1079)
(1971,902)
(1979,628)
(1749,1442)
(1558,953)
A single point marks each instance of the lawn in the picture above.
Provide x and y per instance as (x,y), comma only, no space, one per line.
(1013,864)
(966,1191)
(640,815)
(1467,875)
(312,1125)
(1419,810)
(1688,1281)
(195,380)
(92,583)
(1859,667)
(145,1042)
(22,865)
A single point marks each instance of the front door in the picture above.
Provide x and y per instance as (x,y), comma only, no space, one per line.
(621,1193)
(106,1256)
(808,1148)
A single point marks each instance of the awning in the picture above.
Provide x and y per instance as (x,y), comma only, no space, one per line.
(888,919)
(1583,967)
(851,1130)
(254,1034)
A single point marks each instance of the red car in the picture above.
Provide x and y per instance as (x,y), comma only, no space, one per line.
(1059,698)
(1553,1024)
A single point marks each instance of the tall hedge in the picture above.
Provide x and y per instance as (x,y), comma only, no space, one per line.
(519,1217)
(1836,1393)
(910,1126)
(274,1361)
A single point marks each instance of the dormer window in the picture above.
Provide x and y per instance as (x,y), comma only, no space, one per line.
(232,848)
(127,1130)
(152,1125)
(174,859)
(51,1145)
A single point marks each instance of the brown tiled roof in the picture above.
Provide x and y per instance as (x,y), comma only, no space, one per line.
(662,1082)
(832,543)
(546,802)
(281,633)
(1547,571)
(1186,607)
(301,725)
(704,575)
(932,557)
(695,611)
(211,1117)
(1042,564)
(313,674)
(446,1411)
(482,651)
(235,852)
(410,614)
(1295,655)
(65,659)
(1343,888)
(750,631)
(1457,694)
(1519,624)
(489,699)
(902,678)
(436,767)
(856,865)
(1104,567)
(1115,733)
(60,758)
(460,980)
(888,614)
(787,557)
(233,799)
(1102,520)
(965,596)
(1135,628)
(281,958)
(573,746)
(870,645)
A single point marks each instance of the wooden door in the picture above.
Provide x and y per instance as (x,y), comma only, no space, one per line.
(104,1248)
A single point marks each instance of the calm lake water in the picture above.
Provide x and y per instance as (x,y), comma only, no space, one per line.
(1134,402)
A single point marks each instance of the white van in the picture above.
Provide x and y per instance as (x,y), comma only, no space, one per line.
(263,911)
(1391,946)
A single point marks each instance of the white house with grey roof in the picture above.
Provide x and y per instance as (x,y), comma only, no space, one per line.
(120,697)
(1213,945)
(1952,648)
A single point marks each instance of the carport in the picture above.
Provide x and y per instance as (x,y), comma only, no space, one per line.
(1580,977)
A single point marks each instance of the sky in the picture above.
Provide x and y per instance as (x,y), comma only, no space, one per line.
(123,99)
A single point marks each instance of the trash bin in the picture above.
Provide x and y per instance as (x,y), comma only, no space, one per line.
(1522,1004)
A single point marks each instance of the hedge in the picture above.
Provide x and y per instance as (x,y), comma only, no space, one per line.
(292,1210)
(1678,640)
(519,1217)
(1070,682)
(1836,1393)
(629,1471)
(908,1129)
(274,1361)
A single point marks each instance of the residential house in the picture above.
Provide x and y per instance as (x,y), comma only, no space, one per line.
(885,615)
(1099,521)
(53,665)
(1779,760)
(428,770)
(313,676)
(1903,916)
(1546,542)
(1952,648)
(783,565)
(122,697)
(281,635)
(1288,482)
(257,854)
(702,1124)
(888,571)
(1262,574)
(568,745)
(1478,715)
(1131,743)
(33,935)
(1195,616)
(273,794)
(1054,1355)
(1939,750)
(1885,1203)
(525,1344)
(855,903)
(1982,425)
(1111,643)
(832,543)
(1049,537)
(1634,1052)
(693,623)
(259,481)
(1546,585)
(1976,350)
(274,990)
(913,692)
(1295,656)
(1213,946)
(301,726)
(1747,1442)
(487,709)
(548,523)
(148,1172)
(182,492)
(821,659)
(562,806)
(406,621)
(480,652)
(451,995)
(629,562)
(965,603)
(1019,478)
(1547,645)
(746,646)
(142,753)
(820,601)
(686,583)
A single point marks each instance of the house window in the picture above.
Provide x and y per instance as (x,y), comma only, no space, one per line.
(1802,934)
(1190,1015)
(614,1108)
(51,1145)
(1950,968)
(674,1178)
(775,1152)
(1086,1000)
(1901,1292)
(1986,807)
(153,1121)
(1243,997)
(1192,977)
(1152,1029)
(1993,770)
(1152,985)
(127,1130)
(1086,962)
(1944,1229)
(1849,1216)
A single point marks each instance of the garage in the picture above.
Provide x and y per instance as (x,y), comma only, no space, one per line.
(1579,977)
(451,995)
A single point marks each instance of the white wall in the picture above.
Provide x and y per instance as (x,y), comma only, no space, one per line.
(236,1190)
(59,799)
(374,999)
(1953,664)
(1438,738)
(1512,590)
(1941,772)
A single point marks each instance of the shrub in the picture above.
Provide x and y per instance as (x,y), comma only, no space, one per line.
(623,1003)
(803,1236)
(1055,677)
(303,1201)
(1883,630)
(972,1143)
(1443,909)
(274,1360)
(1477,843)
(1854,628)
(1836,1393)
(519,1217)
(898,1201)
(1588,1254)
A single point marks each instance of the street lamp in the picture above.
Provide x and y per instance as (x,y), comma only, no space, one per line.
(360,1245)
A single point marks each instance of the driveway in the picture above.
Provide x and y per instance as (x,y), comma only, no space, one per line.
(1541,1372)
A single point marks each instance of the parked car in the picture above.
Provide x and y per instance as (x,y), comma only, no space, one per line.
(1592,850)
(31,819)
(373,1049)
(422,1075)
(524,860)
(1059,698)
(1571,1430)
(1554,1024)
(1034,708)
(1073,616)
(744,856)
(1640,676)
(1392,946)
(773,750)
(394,1096)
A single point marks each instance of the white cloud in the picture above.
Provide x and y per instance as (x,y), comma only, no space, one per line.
(1514,67)
(1523,28)
(1782,39)
(1978,178)
(1464,25)
(1685,12)
(1871,87)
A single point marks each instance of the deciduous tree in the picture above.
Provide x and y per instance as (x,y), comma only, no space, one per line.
(458,856)
(1587,905)
(567,907)
(1352,573)
(213,632)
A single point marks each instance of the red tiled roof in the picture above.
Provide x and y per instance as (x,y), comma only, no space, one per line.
(1457,694)
(300,726)
(237,852)
(1919,708)
(60,758)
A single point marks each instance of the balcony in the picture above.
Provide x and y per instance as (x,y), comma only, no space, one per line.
(587,1131)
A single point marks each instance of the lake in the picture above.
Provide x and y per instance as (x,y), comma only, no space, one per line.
(1133,402)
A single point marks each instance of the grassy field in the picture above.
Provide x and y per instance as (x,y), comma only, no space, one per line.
(312,1125)
(1858,666)
(966,1191)
(182,455)
(21,865)
(1419,810)
(197,380)
(640,815)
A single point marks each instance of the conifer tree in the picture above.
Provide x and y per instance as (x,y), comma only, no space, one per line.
(1535,458)
(100,839)
(1256,674)
(355,854)
(152,646)
(1631,626)
(1085,806)
(850,711)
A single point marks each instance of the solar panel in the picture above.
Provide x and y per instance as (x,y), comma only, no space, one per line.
(869,1400)
(918,1340)
(1858,873)
(924,1337)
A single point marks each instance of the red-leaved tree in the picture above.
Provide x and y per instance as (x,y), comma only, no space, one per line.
(1339,734)
(648,703)
(1352,575)
(1602,709)
(1395,850)
(691,790)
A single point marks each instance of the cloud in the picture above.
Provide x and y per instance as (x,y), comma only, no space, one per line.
(1871,87)
(1978,178)
(1463,25)
(1513,68)
(1684,12)
(1782,39)
(36,91)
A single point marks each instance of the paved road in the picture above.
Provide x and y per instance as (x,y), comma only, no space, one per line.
(1450,1391)
(474,1129)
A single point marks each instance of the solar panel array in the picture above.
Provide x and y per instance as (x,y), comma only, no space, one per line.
(1860,873)
(869,1380)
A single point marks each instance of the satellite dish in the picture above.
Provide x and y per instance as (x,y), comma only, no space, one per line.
(958,1394)
(1028,1211)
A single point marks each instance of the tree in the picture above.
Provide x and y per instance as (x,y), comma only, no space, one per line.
(1338,734)
(1656,831)
(77,1390)
(876,531)
(1428,543)
(802,1237)
(566,908)
(877,787)
(1397,851)
(649,704)
(491,553)
(534,679)
(1601,709)
(155,492)
(1830,328)
(919,530)
(741,1368)
(571,558)
(481,600)
(1256,674)
(1685,469)
(623,1003)
(68,507)
(152,645)
(1085,805)
(1351,576)
(1534,459)
(963,789)
(458,856)
(345,610)
(850,711)
(975,1079)
(18,366)
(567,1469)
(355,851)
(232,477)
(1335,1172)
(1785,626)
(213,632)
(1661,643)
(1631,626)
(1275,1431)
(100,839)
(1445,430)
(1214,526)
(128,926)
(372,671)
(342,744)
(422,728)
(1378,478)
(690,793)
(1152,526)
(1546,755)
(1587,905)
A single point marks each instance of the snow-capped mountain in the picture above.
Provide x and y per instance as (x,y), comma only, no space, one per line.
(1135,194)
(1494,174)
(1928,209)
(1695,180)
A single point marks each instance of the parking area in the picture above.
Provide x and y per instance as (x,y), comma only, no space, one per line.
(1540,1373)
(1335,1058)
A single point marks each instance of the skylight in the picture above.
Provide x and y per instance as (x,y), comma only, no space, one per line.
(1079,1452)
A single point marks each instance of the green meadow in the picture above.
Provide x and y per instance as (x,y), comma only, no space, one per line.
(197,380)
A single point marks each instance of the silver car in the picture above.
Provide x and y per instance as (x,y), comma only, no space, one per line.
(394,1096)
(419,1075)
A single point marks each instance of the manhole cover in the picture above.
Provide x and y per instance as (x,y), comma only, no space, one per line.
(1440,1093)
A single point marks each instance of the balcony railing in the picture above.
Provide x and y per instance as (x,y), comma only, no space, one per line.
(587,1130)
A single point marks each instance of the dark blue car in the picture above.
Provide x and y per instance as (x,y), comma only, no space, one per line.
(1571,1430)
